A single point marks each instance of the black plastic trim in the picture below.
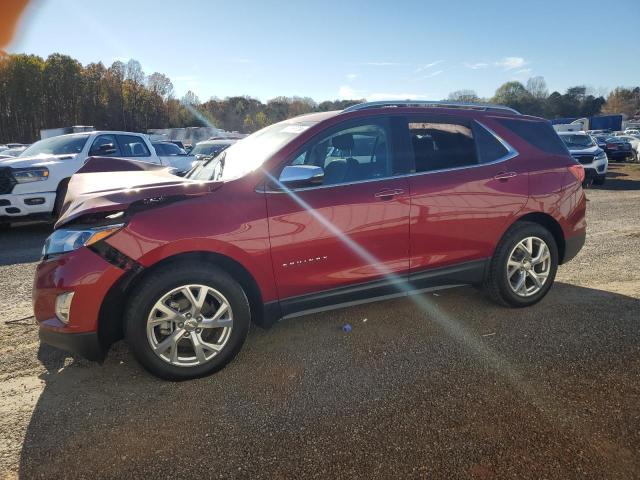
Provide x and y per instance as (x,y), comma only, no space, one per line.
(86,345)
(471,272)
(572,246)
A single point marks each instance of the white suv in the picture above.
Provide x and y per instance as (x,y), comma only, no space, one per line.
(35,183)
(585,150)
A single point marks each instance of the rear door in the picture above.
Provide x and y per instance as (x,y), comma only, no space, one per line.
(347,238)
(135,148)
(465,189)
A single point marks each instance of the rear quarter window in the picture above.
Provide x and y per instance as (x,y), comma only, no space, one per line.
(489,147)
(539,134)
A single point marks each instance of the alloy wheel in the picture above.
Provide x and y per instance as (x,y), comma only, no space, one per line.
(528,266)
(189,325)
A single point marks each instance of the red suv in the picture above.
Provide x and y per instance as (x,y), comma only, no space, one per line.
(320,211)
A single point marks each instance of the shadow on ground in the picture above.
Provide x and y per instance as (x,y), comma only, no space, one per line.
(23,243)
(620,177)
(548,391)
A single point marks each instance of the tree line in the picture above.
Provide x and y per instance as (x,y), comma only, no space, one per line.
(533,98)
(58,91)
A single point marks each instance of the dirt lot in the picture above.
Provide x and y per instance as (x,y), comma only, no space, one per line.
(464,389)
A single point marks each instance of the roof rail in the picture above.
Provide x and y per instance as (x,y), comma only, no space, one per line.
(430,103)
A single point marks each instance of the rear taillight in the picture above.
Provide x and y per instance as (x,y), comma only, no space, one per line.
(612,146)
(577,171)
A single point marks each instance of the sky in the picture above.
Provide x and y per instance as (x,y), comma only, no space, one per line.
(329,49)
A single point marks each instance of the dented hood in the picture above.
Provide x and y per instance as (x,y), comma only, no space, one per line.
(106,184)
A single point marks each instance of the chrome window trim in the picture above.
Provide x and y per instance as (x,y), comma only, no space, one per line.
(511,153)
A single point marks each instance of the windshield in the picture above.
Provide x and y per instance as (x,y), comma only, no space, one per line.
(248,154)
(208,148)
(57,146)
(577,141)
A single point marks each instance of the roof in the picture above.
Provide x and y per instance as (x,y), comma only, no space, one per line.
(99,132)
(486,107)
(312,118)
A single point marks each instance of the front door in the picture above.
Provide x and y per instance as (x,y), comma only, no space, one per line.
(348,237)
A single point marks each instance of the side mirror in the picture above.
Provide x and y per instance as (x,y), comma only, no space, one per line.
(294,176)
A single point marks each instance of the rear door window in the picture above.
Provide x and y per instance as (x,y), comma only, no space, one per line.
(441,144)
(133,146)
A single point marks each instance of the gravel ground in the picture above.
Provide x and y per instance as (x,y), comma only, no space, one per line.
(444,386)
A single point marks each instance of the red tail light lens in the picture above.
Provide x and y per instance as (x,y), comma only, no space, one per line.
(578,172)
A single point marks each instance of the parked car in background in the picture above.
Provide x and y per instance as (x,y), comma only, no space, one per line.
(634,140)
(599,132)
(632,131)
(316,212)
(619,149)
(601,140)
(171,154)
(35,183)
(586,151)
(18,145)
(211,147)
(12,152)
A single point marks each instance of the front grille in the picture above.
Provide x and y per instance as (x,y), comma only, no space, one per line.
(6,181)
(584,159)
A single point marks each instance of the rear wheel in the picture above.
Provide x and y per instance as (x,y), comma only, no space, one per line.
(523,267)
(187,321)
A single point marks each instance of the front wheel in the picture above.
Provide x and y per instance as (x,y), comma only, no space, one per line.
(523,266)
(599,180)
(187,321)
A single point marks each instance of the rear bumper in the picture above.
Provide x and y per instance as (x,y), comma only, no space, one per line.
(86,345)
(573,245)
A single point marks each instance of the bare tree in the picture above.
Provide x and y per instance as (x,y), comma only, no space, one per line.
(537,87)
(133,72)
(159,83)
(464,96)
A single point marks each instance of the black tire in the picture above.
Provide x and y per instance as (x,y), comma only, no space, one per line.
(61,192)
(152,288)
(496,283)
(599,180)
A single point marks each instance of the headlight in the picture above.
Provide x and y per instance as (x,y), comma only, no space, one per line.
(601,156)
(28,175)
(67,240)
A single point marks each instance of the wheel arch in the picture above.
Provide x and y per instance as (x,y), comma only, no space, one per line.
(551,224)
(62,184)
(110,319)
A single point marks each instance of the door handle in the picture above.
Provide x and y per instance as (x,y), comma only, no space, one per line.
(504,176)
(388,193)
